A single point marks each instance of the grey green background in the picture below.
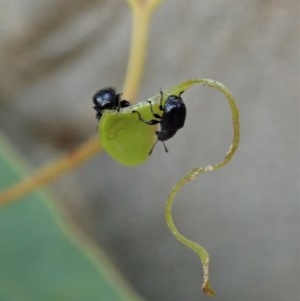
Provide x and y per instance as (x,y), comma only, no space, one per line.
(54,55)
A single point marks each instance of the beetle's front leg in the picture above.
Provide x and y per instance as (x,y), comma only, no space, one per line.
(150,122)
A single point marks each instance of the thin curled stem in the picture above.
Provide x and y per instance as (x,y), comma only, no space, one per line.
(199,250)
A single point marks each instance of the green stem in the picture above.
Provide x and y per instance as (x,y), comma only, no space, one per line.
(142,12)
(136,62)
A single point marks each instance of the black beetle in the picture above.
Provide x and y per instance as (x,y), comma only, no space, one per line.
(172,119)
(108,99)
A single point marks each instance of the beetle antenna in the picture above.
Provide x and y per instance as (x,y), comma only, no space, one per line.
(166,150)
(165,147)
(151,150)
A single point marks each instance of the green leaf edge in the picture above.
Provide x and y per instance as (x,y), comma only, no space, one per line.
(94,255)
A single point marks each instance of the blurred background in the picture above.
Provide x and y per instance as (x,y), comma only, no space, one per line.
(54,55)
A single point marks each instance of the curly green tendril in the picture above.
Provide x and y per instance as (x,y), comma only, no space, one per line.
(198,249)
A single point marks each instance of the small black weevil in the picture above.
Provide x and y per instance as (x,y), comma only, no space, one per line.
(172,119)
(107,99)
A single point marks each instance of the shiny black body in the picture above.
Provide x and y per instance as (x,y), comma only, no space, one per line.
(107,99)
(172,119)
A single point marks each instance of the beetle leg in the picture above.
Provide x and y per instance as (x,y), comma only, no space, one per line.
(150,122)
(161,98)
(98,115)
(119,102)
(154,114)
